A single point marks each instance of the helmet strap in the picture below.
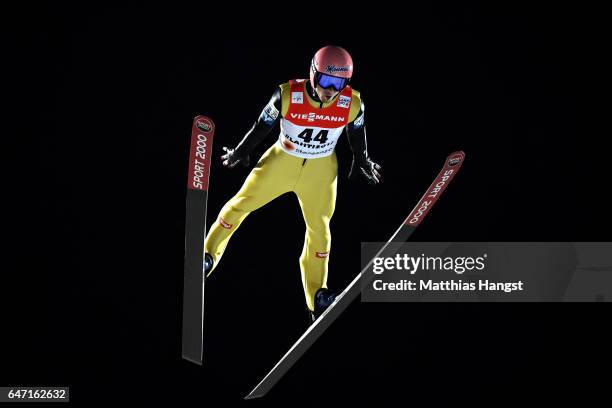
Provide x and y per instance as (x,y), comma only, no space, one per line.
(312,92)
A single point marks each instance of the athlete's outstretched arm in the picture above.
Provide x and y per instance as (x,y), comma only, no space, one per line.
(356,133)
(268,118)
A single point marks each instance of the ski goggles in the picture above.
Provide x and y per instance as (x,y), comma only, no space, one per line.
(327,81)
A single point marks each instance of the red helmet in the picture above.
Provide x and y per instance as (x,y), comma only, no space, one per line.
(331,66)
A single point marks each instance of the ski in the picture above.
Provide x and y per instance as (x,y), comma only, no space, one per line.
(451,167)
(202,132)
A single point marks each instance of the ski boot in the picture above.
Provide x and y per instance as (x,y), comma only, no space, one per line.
(323,299)
(208,264)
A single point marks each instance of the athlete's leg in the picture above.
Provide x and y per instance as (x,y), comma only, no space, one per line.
(271,177)
(316,191)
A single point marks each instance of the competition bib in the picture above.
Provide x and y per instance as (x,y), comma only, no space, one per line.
(310,132)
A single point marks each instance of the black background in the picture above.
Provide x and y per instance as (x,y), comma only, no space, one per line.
(107,96)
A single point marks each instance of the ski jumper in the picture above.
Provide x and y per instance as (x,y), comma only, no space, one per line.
(302,161)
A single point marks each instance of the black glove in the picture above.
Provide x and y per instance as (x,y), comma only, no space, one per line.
(232,157)
(359,145)
(368,169)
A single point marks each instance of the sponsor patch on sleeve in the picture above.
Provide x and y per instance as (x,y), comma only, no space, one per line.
(269,114)
(358,123)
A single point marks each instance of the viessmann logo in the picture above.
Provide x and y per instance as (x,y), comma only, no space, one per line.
(311,117)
